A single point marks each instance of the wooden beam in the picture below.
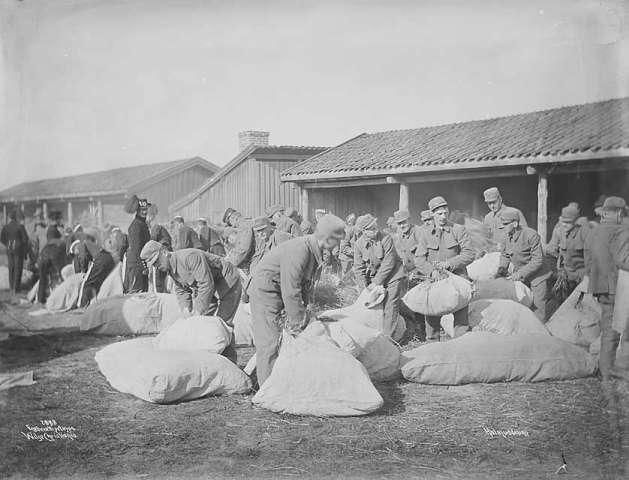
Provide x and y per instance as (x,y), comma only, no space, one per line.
(69,213)
(45,211)
(346,183)
(4,213)
(404,196)
(542,206)
(100,213)
(305,203)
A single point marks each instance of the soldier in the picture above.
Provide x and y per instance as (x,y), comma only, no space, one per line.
(197,276)
(282,222)
(522,259)
(244,244)
(567,246)
(160,234)
(444,246)
(426,218)
(406,238)
(602,270)
(493,199)
(283,283)
(376,263)
(15,239)
(136,275)
(185,237)
(346,248)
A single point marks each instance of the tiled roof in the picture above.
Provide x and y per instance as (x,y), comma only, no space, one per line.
(251,151)
(593,127)
(108,182)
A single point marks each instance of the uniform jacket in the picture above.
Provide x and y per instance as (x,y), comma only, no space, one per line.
(15,238)
(243,246)
(600,266)
(195,270)
(264,247)
(451,243)
(346,247)
(620,247)
(288,272)
(160,234)
(376,261)
(406,244)
(138,236)
(209,237)
(523,250)
(569,247)
(288,225)
(187,238)
(101,268)
(492,222)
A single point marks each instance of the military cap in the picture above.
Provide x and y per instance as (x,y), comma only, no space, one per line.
(228,213)
(365,221)
(143,203)
(260,223)
(401,216)
(569,214)
(437,202)
(614,203)
(330,226)
(509,215)
(491,194)
(178,218)
(150,252)
(425,215)
(202,220)
(273,209)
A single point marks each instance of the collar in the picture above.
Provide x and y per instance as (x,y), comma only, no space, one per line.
(446,228)
(516,234)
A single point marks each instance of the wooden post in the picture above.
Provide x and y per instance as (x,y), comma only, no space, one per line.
(4,213)
(404,196)
(305,204)
(70,213)
(100,213)
(542,205)
(45,211)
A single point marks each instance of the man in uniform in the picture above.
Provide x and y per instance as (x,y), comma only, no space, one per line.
(136,276)
(522,259)
(406,238)
(493,199)
(602,270)
(15,239)
(346,248)
(282,284)
(197,277)
(377,264)
(444,246)
(244,244)
(282,222)
(97,272)
(185,237)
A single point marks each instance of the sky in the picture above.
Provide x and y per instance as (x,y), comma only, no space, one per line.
(87,85)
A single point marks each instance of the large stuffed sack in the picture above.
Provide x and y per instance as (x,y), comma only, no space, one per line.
(113,284)
(64,296)
(501,288)
(577,319)
(312,376)
(504,317)
(620,322)
(484,268)
(137,314)
(484,357)
(243,326)
(67,271)
(441,297)
(137,367)
(368,311)
(195,333)
(377,352)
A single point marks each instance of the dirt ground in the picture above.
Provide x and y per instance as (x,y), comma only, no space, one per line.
(421,432)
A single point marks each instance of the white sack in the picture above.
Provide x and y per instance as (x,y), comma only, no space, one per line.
(501,288)
(574,322)
(243,326)
(504,317)
(67,271)
(195,333)
(439,298)
(136,367)
(312,376)
(485,268)
(620,321)
(65,295)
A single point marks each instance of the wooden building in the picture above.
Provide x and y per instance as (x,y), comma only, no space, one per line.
(250,182)
(540,161)
(98,198)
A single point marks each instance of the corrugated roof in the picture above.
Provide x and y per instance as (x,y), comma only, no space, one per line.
(107,182)
(248,152)
(592,127)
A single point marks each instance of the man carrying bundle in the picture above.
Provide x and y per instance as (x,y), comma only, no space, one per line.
(522,259)
(493,199)
(444,247)
(197,276)
(378,266)
(282,285)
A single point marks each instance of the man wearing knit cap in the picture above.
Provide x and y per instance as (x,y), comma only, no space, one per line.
(283,283)
(604,254)
(445,246)
(282,222)
(493,199)
(568,245)
(378,265)
(521,258)
(197,277)
(244,244)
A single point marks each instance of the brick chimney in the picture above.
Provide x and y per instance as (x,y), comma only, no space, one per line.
(252,137)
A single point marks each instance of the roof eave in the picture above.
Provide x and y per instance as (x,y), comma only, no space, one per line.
(66,196)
